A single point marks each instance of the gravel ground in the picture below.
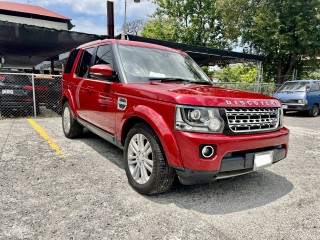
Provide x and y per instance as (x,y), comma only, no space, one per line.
(86,195)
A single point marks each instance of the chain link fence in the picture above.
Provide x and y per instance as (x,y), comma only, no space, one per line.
(264,88)
(34,95)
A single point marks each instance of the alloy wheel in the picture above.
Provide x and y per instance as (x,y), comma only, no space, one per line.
(140,158)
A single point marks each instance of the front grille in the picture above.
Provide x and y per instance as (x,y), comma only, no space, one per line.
(288,101)
(246,120)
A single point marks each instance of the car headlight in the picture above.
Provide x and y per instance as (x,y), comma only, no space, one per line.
(198,119)
(303,101)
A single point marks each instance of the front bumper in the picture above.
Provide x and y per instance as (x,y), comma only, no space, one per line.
(233,164)
(234,154)
(294,107)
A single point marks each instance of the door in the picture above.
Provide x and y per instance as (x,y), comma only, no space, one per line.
(313,96)
(84,92)
(102,110)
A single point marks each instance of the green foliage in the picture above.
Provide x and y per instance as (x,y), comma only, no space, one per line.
(311,75)
(161,28)
(238,73)
(187,21)
(285,31)
(207,70)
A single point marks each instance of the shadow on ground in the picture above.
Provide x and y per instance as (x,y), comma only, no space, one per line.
(230,195)
(221,197)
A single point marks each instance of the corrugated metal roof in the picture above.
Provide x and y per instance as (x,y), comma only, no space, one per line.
(25,8)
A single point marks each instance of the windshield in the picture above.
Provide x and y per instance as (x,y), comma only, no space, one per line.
(294,87)
(148,64)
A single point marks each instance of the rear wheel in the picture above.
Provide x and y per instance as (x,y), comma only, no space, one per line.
(314,111)
(71,128)
(146,167)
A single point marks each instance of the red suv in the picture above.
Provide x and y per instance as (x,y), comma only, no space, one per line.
(158,105)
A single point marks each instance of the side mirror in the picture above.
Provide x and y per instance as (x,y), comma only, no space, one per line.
(101,72)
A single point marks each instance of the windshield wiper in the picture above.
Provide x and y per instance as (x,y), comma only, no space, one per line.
(164,79)
(178,80)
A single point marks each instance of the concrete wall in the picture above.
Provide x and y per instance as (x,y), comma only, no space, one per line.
(34,22)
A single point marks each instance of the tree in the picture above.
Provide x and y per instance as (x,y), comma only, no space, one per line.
(133,27)
(285,31)
(191,21)
(238,73)
(161,28)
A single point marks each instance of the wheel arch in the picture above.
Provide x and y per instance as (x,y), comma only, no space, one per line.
(67,97)
(164,132)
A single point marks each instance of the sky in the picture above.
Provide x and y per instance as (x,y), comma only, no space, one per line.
(90,16)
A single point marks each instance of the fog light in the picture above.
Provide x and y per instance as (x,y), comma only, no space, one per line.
(207,151)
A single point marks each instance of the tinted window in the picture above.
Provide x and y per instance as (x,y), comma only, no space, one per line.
(85,63)
(104,55)
(71,60)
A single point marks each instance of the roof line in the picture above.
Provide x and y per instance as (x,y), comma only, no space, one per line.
(30,9)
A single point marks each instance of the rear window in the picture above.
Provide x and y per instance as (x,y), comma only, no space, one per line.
(71,60)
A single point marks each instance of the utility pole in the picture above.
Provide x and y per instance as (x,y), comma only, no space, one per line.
(110,18)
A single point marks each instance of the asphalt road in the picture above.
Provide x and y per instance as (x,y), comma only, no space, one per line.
(85,195)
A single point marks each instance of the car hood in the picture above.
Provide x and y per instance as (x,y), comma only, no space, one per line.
(290,95)
(197,95)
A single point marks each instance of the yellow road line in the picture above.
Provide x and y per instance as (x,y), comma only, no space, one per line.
(43,134)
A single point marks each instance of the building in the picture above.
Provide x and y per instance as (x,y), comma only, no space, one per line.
(30,35)
(33,15)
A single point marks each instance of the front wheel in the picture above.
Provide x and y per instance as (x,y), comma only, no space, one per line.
(314,111)
(146,167)
(71,128)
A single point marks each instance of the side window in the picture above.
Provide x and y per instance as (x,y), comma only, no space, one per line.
(314,87)
(71,60)
(85,63)
(104,55)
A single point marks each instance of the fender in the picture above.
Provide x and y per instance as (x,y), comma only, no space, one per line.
(159,125)
(68,95)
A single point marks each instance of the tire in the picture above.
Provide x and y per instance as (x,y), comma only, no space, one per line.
(145,163)
(71,128)
(314,111)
